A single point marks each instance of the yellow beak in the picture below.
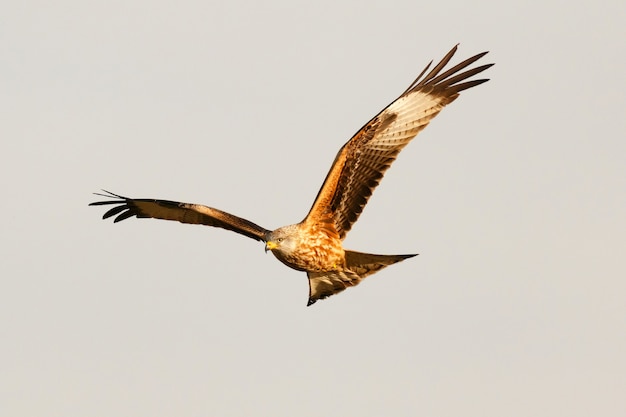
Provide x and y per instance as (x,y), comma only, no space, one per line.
(269,245)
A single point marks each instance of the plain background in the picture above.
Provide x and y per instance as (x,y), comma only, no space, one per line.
(515,198)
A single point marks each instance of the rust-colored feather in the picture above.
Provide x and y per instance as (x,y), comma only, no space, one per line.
(357,266)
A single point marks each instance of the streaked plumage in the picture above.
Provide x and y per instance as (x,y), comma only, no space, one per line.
(315,244)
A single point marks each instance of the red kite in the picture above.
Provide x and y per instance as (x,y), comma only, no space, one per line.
(315,244)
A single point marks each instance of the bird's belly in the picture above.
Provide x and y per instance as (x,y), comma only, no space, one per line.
(324,256)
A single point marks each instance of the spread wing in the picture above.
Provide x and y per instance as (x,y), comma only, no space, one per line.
(362,161)
(183,212)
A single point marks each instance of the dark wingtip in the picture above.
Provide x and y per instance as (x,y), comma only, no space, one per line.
(480,55)
(108,194)
(125,215)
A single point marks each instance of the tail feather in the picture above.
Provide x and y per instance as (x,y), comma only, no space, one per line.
(365,264)
(358,266)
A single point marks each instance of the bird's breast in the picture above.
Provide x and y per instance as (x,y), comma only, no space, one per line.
(315,252)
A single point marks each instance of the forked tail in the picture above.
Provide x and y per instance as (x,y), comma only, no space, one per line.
(358,266)
(365,264)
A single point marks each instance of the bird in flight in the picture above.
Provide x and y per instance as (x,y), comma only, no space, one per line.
(315,244)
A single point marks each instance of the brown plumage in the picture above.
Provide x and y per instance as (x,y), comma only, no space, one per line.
(315,244)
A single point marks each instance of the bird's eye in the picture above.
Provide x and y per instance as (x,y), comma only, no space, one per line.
(280,239)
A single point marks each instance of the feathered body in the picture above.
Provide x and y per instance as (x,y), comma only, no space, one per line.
(315,244)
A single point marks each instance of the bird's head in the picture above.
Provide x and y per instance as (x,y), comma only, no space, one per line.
(282,240)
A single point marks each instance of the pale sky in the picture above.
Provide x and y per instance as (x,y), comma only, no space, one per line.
(514,197)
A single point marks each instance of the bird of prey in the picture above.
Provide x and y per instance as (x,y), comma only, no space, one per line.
(315,244)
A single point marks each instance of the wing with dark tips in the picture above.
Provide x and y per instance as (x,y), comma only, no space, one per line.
(361,163)
(124,207)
